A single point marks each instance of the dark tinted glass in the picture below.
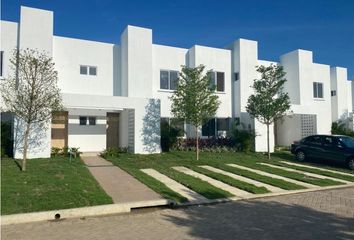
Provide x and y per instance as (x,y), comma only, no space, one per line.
(83,120)
(173,80)
(208,129)
(83,70)
(220,84)
(163,79)
(92,120)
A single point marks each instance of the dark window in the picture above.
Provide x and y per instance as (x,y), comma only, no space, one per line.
(208,129)
(237,76)
(317,90)
(173,80)
(164,80)
(333,93)
(93,71)
(222,124)
(177,123)
(1,62)
(220,81)
(83,70)
(212,79)
(83,120)
(92,120)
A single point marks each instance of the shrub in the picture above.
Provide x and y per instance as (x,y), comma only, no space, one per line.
(74,152)
(244,139)
(56,151)
(206,144)
(113,151)
(6,140)
(169,136)
(340,128)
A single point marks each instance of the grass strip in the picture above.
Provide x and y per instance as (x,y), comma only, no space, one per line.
(261,178)
(317,171)
(207,190)
(155,185)
(230,181)
(294,175)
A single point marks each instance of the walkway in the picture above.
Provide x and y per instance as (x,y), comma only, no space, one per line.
(118,184)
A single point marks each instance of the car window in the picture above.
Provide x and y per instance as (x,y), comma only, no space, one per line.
(328,140)
(314,140)
(348,141)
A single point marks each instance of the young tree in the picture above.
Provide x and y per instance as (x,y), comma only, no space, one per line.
(194,100)
(30,92)
(269,103)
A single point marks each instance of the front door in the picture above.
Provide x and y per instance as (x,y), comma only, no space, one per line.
(112,131)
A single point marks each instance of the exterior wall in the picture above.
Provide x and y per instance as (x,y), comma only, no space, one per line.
(89,138)
(145,119)
(8,32)
(70,53)
(302,72)
(218,60)
(341,103)
(35,32)
(166,58)
(136,47)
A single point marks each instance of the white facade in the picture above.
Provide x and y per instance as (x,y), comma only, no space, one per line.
(126,79)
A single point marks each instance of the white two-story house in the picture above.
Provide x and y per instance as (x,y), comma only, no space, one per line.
(117,94)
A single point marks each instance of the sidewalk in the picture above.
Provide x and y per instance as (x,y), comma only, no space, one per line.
(118,184)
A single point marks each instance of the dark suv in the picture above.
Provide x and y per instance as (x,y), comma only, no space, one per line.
(337,148)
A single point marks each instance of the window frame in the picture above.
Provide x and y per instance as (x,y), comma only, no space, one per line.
(81,118)
(317,94)
(214,81)
(94,123)
(169,80)
(88,70)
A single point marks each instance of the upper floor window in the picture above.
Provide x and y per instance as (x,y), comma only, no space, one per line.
(168,79)
(237,76)
(333,93)
(317,90)
(218,79)
(88,70)
(1,62)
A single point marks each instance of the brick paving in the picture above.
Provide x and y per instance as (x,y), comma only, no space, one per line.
(313,215)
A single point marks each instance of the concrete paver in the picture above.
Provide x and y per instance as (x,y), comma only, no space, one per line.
(175,186)
(244,179)
(324,215)
(307,185)
(305,173)
(235,191)
(318,168)
(118,184)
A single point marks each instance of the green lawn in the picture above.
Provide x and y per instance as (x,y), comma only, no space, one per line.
(48,184)
(165,161)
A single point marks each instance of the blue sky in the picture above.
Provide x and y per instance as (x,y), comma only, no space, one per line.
(323,26)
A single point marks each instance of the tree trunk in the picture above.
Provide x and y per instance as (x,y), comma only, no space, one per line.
(25,147)
(197,142)
(268,148)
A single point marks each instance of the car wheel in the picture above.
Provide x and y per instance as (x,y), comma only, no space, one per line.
(351,164)
(300,156)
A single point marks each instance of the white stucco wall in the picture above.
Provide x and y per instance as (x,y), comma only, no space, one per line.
(146,119)
(35,32)
(70,53)
(8,33)
(166,58)
(341,103)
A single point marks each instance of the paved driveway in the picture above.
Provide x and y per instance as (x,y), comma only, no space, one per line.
(313,215)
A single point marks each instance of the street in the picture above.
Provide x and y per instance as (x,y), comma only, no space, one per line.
(314,215)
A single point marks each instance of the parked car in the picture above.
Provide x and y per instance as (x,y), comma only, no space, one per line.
(335,148)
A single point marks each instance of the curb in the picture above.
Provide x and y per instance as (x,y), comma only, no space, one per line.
(79,212)
(127,207)
(261,196)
